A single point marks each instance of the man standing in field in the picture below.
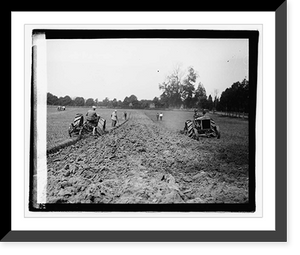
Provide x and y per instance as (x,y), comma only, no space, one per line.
(161,115)
(114,118)
(92,116)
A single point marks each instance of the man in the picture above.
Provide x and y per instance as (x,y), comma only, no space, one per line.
(196,114)
(161,115)
(114,118)
(92,116)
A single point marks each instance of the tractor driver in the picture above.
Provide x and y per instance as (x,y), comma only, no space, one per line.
(92,117)
(196,114)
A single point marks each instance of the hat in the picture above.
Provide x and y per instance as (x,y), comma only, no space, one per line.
(94,107)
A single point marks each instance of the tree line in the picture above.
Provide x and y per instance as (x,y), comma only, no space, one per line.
(128,102)
(235,98)
(183,91)
(178,91)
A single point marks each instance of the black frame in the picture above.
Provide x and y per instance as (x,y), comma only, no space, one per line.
(253,38)
(278,235)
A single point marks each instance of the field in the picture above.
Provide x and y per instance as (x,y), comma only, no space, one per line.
(58,122)
(148,161)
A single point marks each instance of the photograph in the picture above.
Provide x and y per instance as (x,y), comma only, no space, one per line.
(143,120)
(149,127)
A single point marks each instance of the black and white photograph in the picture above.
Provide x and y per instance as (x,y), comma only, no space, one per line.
(144,120)
(149,127)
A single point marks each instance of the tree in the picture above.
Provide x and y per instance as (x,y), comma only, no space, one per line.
(59,101)
(51,99)
(114,103)
(126,102)
(188,88)
(66,100)
(216,104)
(145,103)
(172,89)
(164,100)
(216,99)
(119,104)
(90,102)
(245,96)
(78,101)
(210,103)
(156,102)
(235,98)
(200,96)
(133,100)
(110,104)
(105,101)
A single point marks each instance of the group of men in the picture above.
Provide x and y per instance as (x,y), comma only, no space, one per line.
(159,116)
(93,117)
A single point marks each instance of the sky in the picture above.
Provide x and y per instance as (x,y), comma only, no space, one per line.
(116,68)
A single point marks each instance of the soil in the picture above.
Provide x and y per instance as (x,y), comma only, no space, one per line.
(144,162)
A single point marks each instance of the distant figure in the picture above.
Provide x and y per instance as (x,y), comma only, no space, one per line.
(114,118)
(92,117)
(125,115)
(157,116)
(161,115)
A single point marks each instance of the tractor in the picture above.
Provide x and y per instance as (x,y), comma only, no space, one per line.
(201,126)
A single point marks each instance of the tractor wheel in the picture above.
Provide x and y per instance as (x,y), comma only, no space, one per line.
(189,129)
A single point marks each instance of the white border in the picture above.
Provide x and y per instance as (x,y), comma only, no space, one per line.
(210,222)
(39,41)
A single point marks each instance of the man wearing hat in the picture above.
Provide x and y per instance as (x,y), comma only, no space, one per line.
(114,118)
(92,116)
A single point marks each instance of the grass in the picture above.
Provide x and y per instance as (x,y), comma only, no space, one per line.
(58,122)
(173,120)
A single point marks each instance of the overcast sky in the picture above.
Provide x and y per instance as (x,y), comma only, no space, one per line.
(118,68)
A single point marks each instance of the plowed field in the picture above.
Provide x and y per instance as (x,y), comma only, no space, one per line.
(148,161)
